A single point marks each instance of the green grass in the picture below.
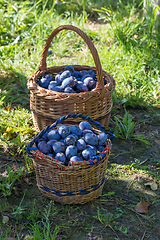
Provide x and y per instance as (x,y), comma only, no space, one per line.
(128,46)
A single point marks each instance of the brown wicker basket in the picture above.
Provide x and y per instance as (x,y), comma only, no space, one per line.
(48,106)
(76,184)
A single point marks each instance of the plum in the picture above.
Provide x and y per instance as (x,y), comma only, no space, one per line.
(77,75)
(85,125)
(60,156)
(54,135)
(70,140)
(69,82)
(75,130)
(75,159)
(70,151)
(90,83)
(80,87)
(83,72)
(43,147)
(58,147)
(81,144)
(57,89)
(65,74)
(45,80)
(93,148)
(70,68)
(102,138)
(51,85)
(87,154)
(91,138)
(92,74)
(69,90)
(63,130)
(49,52)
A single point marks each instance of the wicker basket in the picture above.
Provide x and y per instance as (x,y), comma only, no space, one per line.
(76,184)
(47,106)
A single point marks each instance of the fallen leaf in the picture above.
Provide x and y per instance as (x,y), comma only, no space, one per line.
(27,180)
(5,219)
(152,185)
(118,116)
(142,207)
(157,141)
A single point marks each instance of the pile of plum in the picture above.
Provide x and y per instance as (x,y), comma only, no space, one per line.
(70,81)
(72,143)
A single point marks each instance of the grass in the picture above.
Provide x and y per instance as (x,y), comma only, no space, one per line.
(128,46)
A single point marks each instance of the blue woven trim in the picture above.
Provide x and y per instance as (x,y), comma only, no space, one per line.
(80,192)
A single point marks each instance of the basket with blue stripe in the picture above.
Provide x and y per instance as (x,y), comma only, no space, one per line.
(72,184)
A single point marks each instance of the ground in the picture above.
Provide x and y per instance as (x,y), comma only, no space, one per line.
(131,165)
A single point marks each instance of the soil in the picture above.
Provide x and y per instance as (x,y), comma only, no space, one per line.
(131,165)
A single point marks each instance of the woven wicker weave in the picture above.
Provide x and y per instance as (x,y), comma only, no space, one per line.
(47,106)
(76,184)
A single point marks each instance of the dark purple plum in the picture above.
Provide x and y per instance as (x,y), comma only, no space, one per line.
(75,159)
(84,77)
(69,82)
(58,79)
(80,87)
(92,74)
(65,74)
(57,89)
(100,148)
(63,130)
(81,144)
(86,131)
(70,140)
(91,139)
(44,81)
(70,151)
(75,130)
(93,148)
(87,154)
(44,137)
(76,136)
(43,147)
(49,52)
(50,144)
(58,147)
(51,85)
(102,138)
(69,90)
(54,135)
(48,77)
(60,156)
(105,81)
(85,125)
(89,82)
(77,75)
(70,68)
(83,72)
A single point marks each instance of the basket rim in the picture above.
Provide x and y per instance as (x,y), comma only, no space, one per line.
(33,151)
(97,92)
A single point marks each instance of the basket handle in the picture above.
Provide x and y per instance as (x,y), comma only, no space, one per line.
(43,64)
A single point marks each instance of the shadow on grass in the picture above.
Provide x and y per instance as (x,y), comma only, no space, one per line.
(111,216)
(13,87)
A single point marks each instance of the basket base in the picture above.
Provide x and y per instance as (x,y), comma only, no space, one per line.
(73,200)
